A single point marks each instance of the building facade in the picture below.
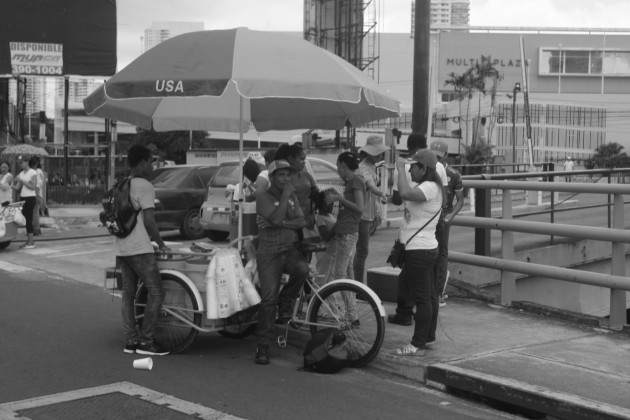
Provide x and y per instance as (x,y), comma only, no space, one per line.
(161,31)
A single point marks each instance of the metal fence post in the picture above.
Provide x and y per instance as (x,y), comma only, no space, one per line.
(482,209)
(618,267)
(508,278)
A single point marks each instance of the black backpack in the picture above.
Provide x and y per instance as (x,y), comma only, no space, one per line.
(118,215)
(326,352)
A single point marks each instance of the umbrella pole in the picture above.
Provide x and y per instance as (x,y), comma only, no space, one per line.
(240,158)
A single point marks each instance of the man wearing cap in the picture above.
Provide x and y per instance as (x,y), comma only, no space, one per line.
(279,219)
(370,154)
(452,189)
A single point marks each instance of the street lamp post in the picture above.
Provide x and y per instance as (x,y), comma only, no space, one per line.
(517,88)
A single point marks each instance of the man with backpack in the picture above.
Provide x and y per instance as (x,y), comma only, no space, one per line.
(136,258)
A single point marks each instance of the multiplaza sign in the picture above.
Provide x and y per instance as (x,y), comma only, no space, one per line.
(36,58)
(470,62)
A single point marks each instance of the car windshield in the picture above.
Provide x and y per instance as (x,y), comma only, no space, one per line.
(227,174)
(174,178)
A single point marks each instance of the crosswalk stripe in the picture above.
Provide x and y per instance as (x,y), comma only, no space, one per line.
(14,268)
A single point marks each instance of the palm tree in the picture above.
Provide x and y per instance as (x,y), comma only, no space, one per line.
(610,155)
(457,81)
(482,71)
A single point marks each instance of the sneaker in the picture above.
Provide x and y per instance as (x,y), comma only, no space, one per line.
(442,301)
(430,343)
(27,246)
(394,319)
(130,348)
(152,349)
(409,350)
(262,354)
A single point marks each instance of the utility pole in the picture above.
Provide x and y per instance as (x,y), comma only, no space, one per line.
(421,64)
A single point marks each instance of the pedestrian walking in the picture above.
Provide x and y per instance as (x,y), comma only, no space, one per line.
(26,184)
(568,167)
(136,258)
(370,155)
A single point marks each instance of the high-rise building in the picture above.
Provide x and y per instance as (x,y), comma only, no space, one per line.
(160,31)
(446,13)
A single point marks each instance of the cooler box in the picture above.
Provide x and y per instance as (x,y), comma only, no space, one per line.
(384,282)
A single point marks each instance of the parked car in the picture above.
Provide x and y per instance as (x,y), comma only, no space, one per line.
(215,213)
(179,193)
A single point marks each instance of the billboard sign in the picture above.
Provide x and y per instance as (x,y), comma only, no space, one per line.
(36,58)
(58,37)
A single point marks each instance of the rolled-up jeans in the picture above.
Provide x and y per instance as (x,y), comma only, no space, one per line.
(270,269)
(134,268)
(416,287)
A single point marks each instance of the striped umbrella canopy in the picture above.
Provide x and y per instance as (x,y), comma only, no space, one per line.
(225,80)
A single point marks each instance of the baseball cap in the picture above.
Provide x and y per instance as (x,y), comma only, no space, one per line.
(424,157)
(279,164)
(439,148)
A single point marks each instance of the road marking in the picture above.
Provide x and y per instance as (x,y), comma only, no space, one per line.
(10,410)
(14,268)
(62,255)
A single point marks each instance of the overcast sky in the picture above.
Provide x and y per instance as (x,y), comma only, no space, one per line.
(134,16)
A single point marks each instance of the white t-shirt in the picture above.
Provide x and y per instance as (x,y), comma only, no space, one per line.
(26,177)
(138,242)
(417,214)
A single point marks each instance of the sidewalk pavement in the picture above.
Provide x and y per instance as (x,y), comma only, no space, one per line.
(509,357)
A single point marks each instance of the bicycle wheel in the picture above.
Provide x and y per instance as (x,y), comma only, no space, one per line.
(364,329)
(171,332)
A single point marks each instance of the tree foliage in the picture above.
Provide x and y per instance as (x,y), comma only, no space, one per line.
(477,154)
(170,145)
(610,155)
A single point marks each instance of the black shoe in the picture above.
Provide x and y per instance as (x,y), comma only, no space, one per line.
(262,354)
(130,348)
(152,349)
(394,319)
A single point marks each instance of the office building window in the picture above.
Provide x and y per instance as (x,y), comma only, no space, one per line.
(554,61)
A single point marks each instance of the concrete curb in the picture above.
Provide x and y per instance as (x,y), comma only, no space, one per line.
(532,397)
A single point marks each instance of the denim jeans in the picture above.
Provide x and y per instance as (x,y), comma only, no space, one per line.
(342,269)
(141,267)
(361,255)
(442,230)
(270,269)
(416,288)
(27,211)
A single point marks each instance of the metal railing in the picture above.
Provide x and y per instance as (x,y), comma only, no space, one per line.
(616,281)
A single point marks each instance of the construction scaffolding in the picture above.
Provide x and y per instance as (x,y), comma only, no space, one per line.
(346,28)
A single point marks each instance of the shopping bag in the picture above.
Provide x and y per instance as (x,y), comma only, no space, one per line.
(228,287)
(18,218)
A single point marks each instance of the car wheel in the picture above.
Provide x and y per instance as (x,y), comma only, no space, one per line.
(191,229)
(217,235)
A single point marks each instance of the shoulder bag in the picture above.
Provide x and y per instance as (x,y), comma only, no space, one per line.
(397,254)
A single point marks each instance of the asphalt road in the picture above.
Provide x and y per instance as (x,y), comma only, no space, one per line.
(61,334)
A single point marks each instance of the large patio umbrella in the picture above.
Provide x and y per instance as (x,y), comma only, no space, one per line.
(227,80)
(24,150)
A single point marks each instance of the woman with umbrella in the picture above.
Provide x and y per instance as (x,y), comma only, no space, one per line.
(26,184)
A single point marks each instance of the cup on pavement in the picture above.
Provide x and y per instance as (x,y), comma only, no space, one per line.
(144,364)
